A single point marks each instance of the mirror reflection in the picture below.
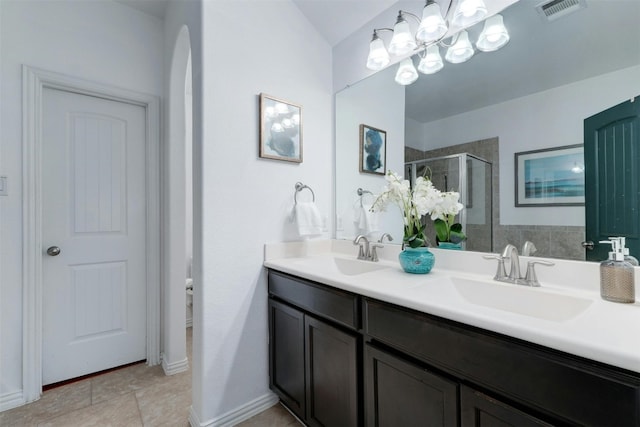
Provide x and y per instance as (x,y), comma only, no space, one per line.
(533,94)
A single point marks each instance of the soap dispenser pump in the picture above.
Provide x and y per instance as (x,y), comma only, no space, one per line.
(627,257)
(617,281)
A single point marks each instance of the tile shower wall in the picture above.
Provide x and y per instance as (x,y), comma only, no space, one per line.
(486,149)
(550,241)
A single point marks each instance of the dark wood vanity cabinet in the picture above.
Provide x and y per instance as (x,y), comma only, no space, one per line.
(522,382)
(479,410)
(400,393)
(315,351)
(341,360)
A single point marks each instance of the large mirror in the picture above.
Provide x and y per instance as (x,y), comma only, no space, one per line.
(533,94)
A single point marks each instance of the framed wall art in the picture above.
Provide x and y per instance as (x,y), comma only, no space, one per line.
(373,150)
(280,129)
(550,177)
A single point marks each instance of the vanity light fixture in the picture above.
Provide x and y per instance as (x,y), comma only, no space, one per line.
(403,41)
(461,51)
(493,36)
(469,12)
(577,168)
(431,62)
(406,73)
(378,56)
(430,35)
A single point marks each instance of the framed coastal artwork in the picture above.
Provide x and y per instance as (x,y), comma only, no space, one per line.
(373,150)
(280,129)
(550,177)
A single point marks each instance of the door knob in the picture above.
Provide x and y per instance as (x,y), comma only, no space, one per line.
(53,251)
(589,245)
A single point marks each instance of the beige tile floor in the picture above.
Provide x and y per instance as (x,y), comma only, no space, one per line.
(137,395)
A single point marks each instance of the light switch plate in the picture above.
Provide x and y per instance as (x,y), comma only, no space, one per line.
(3,186)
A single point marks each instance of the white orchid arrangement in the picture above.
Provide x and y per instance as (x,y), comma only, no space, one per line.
(423,199)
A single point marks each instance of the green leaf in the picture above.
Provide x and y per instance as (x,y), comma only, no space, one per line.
(457,235)
(416,242)
(441,230)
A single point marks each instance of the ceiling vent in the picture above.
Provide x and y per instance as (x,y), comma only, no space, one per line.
(554,9)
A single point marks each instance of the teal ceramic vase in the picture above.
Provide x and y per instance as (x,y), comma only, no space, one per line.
(449,245)
(416,260)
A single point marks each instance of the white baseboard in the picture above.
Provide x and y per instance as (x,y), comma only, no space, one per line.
(175,367)
(11,400)
(238,415)
(194,420)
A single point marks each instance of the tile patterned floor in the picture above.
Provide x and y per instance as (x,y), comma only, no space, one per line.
(137,395)
(276,416)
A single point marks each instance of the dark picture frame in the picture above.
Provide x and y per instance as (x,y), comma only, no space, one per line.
(373,150)
(550,177)
(280,129)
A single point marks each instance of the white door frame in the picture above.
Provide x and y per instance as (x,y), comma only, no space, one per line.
(33,83)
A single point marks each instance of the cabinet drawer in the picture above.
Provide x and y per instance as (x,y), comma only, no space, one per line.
(339,306)
(400,393)
(560,385)
(480,410)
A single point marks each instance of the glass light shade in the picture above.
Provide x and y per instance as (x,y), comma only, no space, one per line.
(469,12)
(494,35)
(402,41)
(378,56)
(406,73)
(461,51)
(432,27)
(432,61)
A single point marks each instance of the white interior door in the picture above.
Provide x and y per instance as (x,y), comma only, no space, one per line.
(93,210)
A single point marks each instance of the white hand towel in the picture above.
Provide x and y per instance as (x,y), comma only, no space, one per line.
(371,219)
(367,221)
(308,219)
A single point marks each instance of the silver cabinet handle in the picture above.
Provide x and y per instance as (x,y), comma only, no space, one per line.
(53,251)
(589,245)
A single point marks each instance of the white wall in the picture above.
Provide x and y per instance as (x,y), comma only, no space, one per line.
(546,119)
(99,41)
(377,101)
(413,131)
(249,48)
(181,16)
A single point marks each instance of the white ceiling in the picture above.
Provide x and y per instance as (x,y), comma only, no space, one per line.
(335,20)
(541,54)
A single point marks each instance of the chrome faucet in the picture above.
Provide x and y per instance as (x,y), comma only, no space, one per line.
(367,251)
(528,248)
(510,252)
(387,235)
(363,252)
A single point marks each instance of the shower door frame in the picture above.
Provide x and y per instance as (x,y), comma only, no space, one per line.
(463,188)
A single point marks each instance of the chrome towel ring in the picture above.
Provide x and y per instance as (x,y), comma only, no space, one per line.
(361,193)
(299,187)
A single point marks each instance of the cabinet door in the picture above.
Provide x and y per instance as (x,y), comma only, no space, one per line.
(480,410)
(286,356)
(400,393)
(332,375)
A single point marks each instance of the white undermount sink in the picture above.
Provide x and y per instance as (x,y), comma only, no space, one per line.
(345,266)
(532,302)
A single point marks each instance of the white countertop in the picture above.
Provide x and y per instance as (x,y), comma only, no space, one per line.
(603,331)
